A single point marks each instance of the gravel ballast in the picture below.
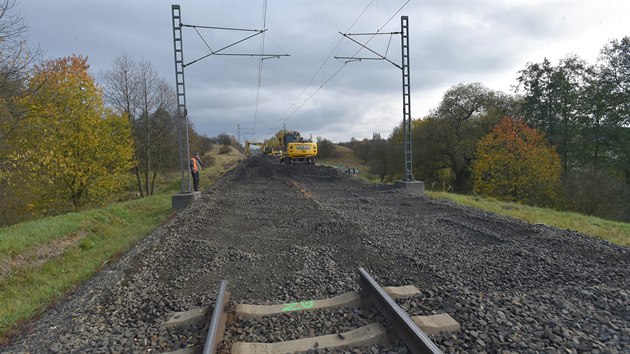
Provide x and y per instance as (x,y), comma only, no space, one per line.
(290,233)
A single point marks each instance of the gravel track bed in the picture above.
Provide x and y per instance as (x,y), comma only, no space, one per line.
(283,234)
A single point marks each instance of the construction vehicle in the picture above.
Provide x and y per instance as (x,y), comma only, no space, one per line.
(273,146)
(249,144)
(295,149)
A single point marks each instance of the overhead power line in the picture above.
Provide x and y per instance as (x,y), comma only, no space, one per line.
(322,68)
(180,66)
(345,63)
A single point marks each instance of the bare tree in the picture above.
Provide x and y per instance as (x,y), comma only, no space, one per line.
(157,100)
(15,54)
(135,88)
(16,57)
(120,85)
(121,93)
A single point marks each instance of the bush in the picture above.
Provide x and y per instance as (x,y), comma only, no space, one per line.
(225,149)
(326,149)
(224,139)
(596,193)
(205,144)
(208,161)
(514,163)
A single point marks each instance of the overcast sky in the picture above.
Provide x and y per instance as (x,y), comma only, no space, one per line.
(450,42)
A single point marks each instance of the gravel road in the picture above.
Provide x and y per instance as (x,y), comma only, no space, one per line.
(293,233)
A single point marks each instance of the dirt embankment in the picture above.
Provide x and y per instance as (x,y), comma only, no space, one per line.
(294,233)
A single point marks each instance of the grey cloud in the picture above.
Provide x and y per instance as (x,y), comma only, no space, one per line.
(451,42)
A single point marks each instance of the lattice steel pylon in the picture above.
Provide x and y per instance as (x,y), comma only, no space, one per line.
(406,84)
(180,65)
(406,89)
(180,87)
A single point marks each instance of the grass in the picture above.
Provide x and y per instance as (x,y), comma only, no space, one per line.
(612,231)
(32,284)
(110,232)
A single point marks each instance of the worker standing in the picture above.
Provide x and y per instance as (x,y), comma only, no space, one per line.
(195,167)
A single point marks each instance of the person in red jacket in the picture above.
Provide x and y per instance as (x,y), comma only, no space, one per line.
(195,167)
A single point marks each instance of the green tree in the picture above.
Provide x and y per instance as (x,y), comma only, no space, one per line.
(225,139)
(380,161)
(613,71)
(360,149)
(326,149)
(598,193)
(553,102)
(72,149)
(435,156)
(514,163)
(615,68)
(444,143)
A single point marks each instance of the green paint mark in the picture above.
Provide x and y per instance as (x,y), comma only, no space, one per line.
(297,306)
(307,304)
(290,307)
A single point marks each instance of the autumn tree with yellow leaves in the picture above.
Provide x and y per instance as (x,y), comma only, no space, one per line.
(513,162)
(71,149)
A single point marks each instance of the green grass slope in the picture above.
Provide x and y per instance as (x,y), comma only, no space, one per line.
(41,260)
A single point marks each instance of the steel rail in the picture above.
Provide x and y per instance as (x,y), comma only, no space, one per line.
(416,340)
(217,323)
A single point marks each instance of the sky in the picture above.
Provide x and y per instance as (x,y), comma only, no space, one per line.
(310,91)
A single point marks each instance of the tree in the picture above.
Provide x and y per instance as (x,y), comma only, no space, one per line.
(513,162)
(73,149)
(360,149)
(435,153)
(444,145)
(15,55)
(15,59)
(135,89)
(599,123)
(553,103)
(205,144)
(615,68)
(326,149)
(154,123)
(225,139)
(381,161)
(613,71)
(598,193)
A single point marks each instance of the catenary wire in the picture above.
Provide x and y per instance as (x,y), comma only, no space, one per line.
(344,64)
(323,65)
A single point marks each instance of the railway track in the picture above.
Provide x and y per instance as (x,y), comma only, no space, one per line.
(408,328)
(281,234)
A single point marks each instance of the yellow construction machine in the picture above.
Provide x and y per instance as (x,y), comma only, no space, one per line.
(249,144)
(295,149)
